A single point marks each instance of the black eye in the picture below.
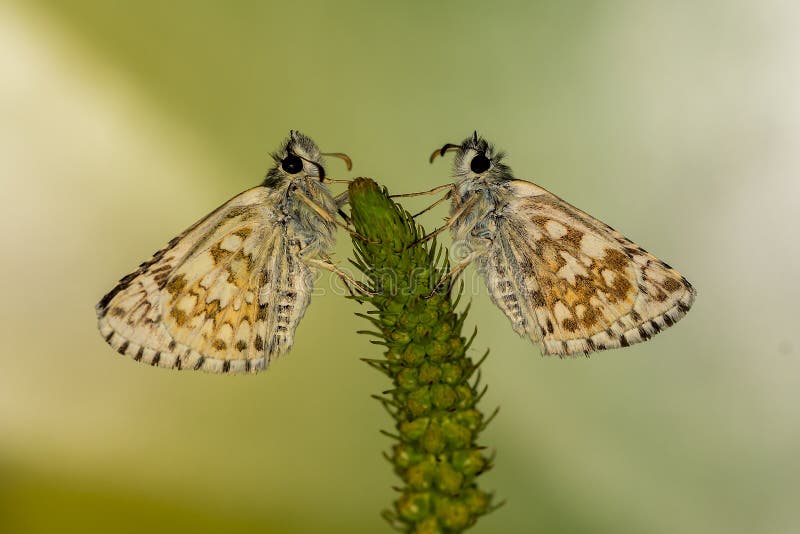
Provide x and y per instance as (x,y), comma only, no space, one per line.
(479,164)
(292,164)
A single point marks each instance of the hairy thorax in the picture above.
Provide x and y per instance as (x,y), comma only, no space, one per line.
(481,203)
(311,226)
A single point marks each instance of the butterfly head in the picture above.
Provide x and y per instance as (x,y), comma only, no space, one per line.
(300,157)
(476,159)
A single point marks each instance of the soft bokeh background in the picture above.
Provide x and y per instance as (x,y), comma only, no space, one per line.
(676,122)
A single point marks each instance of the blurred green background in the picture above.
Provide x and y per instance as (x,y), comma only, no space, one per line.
(676,122)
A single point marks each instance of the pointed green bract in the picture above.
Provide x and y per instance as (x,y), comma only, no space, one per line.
(435,390)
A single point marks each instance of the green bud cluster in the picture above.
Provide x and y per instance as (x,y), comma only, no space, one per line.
(435,385)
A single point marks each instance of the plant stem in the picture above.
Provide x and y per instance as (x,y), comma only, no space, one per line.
(435,386)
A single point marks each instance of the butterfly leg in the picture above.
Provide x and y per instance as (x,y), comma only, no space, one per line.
(353,233)
(327,216)
(447,195)
(428,192)
(348,280)
(341,199)
(464,208)
(431,235)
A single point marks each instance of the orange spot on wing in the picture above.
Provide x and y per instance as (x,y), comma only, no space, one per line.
(615,260)
(177,284)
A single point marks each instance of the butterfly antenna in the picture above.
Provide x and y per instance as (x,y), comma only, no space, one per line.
(342,156)
(441,151)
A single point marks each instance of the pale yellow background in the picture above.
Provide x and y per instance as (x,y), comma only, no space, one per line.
(677,122)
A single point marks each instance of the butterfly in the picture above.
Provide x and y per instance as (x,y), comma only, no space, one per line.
(567,281)
(227,294)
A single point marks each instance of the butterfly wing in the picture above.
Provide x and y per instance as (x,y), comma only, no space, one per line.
(572,283)
(224,296)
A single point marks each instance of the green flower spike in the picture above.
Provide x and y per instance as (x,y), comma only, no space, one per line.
(434,396)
